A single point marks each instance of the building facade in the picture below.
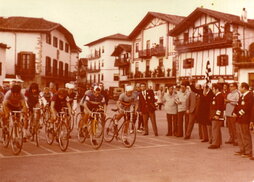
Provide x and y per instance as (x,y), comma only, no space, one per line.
(152,57)
(41,51)
(3,48)
(220,38)
(101,63)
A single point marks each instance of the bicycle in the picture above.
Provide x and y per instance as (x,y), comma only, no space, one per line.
(35,125)
(94,129)
(14,132)
(58,130)
(128,130)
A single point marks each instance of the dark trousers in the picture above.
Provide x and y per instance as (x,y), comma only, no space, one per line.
(159,105)
(172,127)
(206,132)
(150,115)
(192,120)
(216,132)
(244,138)
(181,116)
(139,117)
(232,129)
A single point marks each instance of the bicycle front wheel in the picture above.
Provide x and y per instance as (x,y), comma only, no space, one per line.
(16,139)
(6,137)
(63,136)
(109,130)
(128,134)
(96,133)
(49,132)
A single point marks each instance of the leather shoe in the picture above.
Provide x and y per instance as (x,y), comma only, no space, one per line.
(252,158)
(145,133)
(228,142)
(186,138)
(204,141)
(213,147)
(239,153)
(246,155)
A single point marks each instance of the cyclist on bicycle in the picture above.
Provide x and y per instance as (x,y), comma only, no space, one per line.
(92,102)
(14,100)
(58,102)
(124,103)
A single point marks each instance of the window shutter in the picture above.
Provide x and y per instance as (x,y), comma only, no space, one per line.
(19,64)
(32,64)
(188,63)
(222,60)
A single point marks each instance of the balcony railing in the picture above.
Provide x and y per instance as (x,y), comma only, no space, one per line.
(93,70)
(213,39)
(121,62)
(25,73)
(151,74)
(145,53)
(94,56)
(158,51)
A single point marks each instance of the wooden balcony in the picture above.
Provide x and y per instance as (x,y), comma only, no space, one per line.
(66,76)
(93,70)
(25,73)
(215,40)
(244,62)
(122,62)
(145,54)
(158,51)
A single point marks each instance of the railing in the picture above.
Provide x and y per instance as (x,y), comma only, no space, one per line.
(121,62)
(93,70)
(158,51)
(25,73)
(94,56)
(212,38)
(124,77)
(157,73)
(144,53)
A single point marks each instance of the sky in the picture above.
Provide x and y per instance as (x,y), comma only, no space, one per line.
(89,20)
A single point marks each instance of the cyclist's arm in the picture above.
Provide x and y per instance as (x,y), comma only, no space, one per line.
(69,108)
(24,105)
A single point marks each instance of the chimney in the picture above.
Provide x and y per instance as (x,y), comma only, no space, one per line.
(244,15)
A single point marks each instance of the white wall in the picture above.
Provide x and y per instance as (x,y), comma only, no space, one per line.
(3,61)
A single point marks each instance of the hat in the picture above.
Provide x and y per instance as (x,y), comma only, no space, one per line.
(96,88)
(69,85)
(128,88)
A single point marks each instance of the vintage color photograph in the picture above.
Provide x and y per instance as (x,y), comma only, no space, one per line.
(126,91)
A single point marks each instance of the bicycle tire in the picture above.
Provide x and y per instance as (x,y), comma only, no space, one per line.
(109,131)
(96,133)
(128,137)
(63,136)
(49,132)
(6,137)
(16,133)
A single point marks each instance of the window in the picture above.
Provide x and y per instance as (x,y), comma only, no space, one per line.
(147,65)
(148,44)
(66,47)
(186,37)
(55,67)
(116,77)
(251,80)
(136,67)
(99,78)
(160,62)
(188,63)
(222,60)
(161,41)
(0,68)
(102,63)
(90,78)
(48,66)
(102,50)
(137,47)
(66,70)
(55,42)
(60,68)
(26,61)
(94,78)
(48,38)
(61,45)
(102,77)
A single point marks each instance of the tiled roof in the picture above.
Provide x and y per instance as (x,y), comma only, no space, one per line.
(188,21)
(149,16)
(118,50)
(28,24)
(117,36)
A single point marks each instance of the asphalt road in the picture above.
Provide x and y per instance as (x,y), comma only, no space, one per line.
(151,159)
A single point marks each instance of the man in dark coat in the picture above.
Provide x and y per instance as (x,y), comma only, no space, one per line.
(242,112)
(147,108)
(216,116)
(206,96)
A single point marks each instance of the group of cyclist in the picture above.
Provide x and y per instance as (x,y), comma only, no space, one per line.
(56,100)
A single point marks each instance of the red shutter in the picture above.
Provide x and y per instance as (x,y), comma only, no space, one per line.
(32,64)
(222,60)
(19,64)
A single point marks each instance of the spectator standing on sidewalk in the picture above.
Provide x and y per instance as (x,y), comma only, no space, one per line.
(242,112)
(160,94)
(231,102)
(147,108)
(169,100)
(139,116)
(181,99)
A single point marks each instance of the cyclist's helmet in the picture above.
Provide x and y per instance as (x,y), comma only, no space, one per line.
(15,89)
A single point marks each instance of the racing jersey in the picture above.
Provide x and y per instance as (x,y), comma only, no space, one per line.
(91,97)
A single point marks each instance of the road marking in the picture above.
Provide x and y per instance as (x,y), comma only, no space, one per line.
(75,150)
(163,141)
(47,149)
(27,153)
(1,155)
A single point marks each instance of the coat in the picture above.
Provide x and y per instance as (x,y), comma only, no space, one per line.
(147,103)
(217,107)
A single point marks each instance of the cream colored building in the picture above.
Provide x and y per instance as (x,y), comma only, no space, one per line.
(41,51)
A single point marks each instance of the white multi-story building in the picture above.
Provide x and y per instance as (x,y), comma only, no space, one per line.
(101,63)
(153,52)
(40,51)
(225,40)
(3,48)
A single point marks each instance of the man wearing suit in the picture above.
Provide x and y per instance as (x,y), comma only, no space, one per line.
(216,116)
(192,108)
(147,108)
(242,112)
